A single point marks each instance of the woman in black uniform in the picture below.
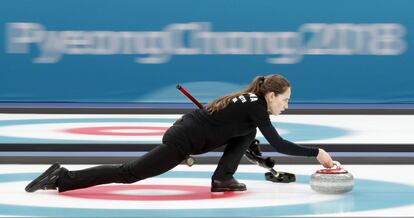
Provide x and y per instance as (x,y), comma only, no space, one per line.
(230,120)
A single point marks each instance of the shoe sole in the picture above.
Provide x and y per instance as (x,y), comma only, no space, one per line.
(40,180)
(227,190)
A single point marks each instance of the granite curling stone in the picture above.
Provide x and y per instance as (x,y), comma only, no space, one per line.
(335,180)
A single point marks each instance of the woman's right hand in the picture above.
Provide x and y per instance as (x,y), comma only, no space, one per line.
(324,158)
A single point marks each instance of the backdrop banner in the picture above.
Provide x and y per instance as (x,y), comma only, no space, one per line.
(137,51)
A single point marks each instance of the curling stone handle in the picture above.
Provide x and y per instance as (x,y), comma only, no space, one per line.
(337,165)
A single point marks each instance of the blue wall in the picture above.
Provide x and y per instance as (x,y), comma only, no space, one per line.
(137,51)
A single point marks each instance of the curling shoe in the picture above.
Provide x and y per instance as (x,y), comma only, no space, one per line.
(227,185)
(47,180)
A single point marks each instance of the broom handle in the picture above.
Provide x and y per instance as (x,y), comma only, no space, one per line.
(189,96)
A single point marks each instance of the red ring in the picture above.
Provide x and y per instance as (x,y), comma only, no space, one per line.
(106,130)
(106,193)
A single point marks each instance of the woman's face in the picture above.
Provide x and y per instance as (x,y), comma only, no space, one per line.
(276,104)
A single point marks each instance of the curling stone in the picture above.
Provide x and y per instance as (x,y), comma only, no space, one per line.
(335,180)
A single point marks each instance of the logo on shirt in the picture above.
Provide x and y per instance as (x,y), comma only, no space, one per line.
(251,98)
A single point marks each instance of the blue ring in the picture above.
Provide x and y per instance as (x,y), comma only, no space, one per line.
(367,195)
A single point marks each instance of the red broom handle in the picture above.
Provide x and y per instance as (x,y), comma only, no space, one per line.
(189,96)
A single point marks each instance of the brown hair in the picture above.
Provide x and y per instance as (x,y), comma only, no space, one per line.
(261,85)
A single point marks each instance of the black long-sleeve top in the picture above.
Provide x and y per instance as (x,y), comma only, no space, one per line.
(243,115)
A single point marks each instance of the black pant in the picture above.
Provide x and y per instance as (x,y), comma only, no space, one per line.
(155,162)
(159,160)
(232,155)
